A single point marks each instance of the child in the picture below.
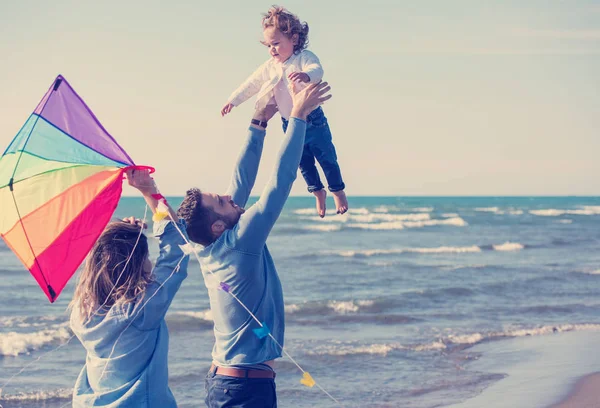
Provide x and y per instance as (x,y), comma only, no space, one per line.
(286,37)
(118,310)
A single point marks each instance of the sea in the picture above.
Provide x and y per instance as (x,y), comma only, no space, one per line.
(386,306)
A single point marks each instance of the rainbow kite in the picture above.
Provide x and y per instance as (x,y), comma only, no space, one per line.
(60,182)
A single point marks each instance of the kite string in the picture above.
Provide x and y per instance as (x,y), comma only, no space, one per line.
(252,314)
(94,314)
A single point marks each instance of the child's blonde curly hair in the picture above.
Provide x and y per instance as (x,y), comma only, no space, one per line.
(289,24)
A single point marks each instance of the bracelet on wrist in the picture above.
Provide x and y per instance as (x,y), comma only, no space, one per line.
(259,123)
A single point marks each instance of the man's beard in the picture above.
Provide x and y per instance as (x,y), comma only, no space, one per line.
(231,221)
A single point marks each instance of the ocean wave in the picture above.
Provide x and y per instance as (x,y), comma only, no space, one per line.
(450,215)
(334,306)
(508,246)
(13,343)
(494,210)
(498,211)
(350,348)
(422,209)
(470,339)
(389,217)
(205,315)
(435,250)
(553,212)
(458,267)
(369,218)
(38,396)
(591,272)
(565,221)
(23,322)
(323,227)
(399,225)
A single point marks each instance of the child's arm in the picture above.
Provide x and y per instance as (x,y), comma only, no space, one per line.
(249,88)
(312,71)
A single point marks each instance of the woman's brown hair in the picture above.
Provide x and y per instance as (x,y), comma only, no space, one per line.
(114,271)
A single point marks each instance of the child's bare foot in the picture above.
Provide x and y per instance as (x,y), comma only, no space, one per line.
(341,202)
(321,196)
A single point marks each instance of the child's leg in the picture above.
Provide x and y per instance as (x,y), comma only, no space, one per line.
(311,175)
(321,145)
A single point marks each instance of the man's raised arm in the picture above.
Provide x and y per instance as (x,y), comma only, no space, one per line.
(246,168)
(255,225)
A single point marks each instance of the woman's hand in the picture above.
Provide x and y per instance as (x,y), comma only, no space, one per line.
(141,180)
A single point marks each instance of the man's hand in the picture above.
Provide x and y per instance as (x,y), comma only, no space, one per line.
(141,180)
(299,77)
(226,109)
(306,100)
(266,113)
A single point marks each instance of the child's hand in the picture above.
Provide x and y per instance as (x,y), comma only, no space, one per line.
(299,77)
(226,109)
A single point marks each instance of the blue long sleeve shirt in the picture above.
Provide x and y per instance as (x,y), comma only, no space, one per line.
(135,337)
(240,257)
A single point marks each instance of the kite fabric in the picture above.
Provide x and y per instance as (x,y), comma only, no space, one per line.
(60,181)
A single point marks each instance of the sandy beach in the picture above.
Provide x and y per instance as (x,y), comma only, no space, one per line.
(585,394)
(555,370)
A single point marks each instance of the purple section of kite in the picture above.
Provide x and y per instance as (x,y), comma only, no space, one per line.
(225,287)
(67,111)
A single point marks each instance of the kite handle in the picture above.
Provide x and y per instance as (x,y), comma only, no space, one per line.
(152,169)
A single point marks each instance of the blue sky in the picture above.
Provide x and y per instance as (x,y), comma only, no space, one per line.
(430,97)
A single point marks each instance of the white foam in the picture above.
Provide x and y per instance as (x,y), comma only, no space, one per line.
(292,308)
(456,222)
(389,217)
(369,218)
(64,393)
(305,211)
(436,345)
(382,209)
(13,343)
(29,321)
(515,212)
(474,338)
(205,315)
(564,221)
(399,225)
(450,215)
(361,210)
(595,272)
(351,349)
(382,226)
(324,227)
(494,210)
(434,250)
(553,212)
(422,209)
(509,246)
(344,307)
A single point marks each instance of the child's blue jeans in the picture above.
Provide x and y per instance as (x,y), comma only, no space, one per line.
(318,145)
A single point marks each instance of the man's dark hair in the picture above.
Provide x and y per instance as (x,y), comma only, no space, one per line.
(198,218)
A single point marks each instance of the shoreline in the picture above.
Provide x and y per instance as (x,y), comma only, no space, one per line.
(550,371)
(584,394)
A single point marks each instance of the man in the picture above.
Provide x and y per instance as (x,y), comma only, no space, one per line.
(237,267)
